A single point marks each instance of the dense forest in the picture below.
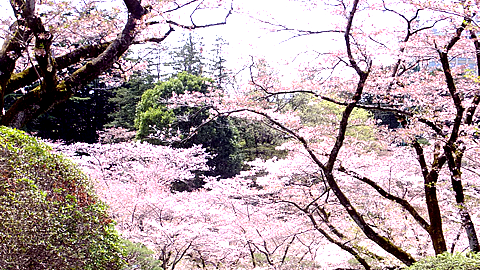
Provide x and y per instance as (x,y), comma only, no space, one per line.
(130,141)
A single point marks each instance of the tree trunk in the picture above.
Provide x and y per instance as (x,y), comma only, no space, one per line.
(454,164)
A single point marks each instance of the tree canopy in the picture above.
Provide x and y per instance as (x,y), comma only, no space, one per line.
(52,50)
(388,195)
(430,87)
(159,123)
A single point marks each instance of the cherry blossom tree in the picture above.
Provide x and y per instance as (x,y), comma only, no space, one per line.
(405,196)
(51,49)
(435,105)
(393,197)
(227,224)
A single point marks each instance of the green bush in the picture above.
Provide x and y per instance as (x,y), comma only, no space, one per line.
(139,257)
(448,261)
(50,217)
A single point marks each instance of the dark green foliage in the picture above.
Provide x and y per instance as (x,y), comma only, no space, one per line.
(219,138)
(78,119)
(448,261)
(158,124)
(153,113)
(50,218)
(126,99)
(257,140)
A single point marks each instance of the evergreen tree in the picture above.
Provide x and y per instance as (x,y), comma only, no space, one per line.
(218,71)
(188,58)
(158,124)
(126,99)
(79,118)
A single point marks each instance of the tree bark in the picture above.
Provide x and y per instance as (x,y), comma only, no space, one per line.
(430,178)
(383,242)
(454,163)
(49,92)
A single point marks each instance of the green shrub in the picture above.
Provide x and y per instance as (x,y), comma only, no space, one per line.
(139,257)
(448,261)
(50,217)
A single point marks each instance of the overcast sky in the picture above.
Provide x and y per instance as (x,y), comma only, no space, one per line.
(248,37)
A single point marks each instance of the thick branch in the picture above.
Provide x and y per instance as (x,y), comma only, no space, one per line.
(162,38)
(404,203)
(29,75)
(135,8)
(12,49)
(455,95)
(37,102)
(454,157)
(450,145)
(433,207)
(476,100)
(356,98)
(348,29)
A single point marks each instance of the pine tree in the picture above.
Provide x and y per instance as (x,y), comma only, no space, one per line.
(188,58)
(218,71)
(126,99)
(79,118)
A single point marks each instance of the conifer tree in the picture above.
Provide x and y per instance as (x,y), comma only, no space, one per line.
(188,58)
(159,124)
(126,99)
(78,119)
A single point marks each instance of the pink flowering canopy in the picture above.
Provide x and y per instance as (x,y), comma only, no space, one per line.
(422,67)
(392,197)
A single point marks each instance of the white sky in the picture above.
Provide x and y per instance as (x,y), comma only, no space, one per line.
(247,37)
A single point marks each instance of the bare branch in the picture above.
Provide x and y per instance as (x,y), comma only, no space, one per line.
(301,32)
(476,100)
(180,6)
(194,26)
(348,29)
(160,39)
(402,202)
